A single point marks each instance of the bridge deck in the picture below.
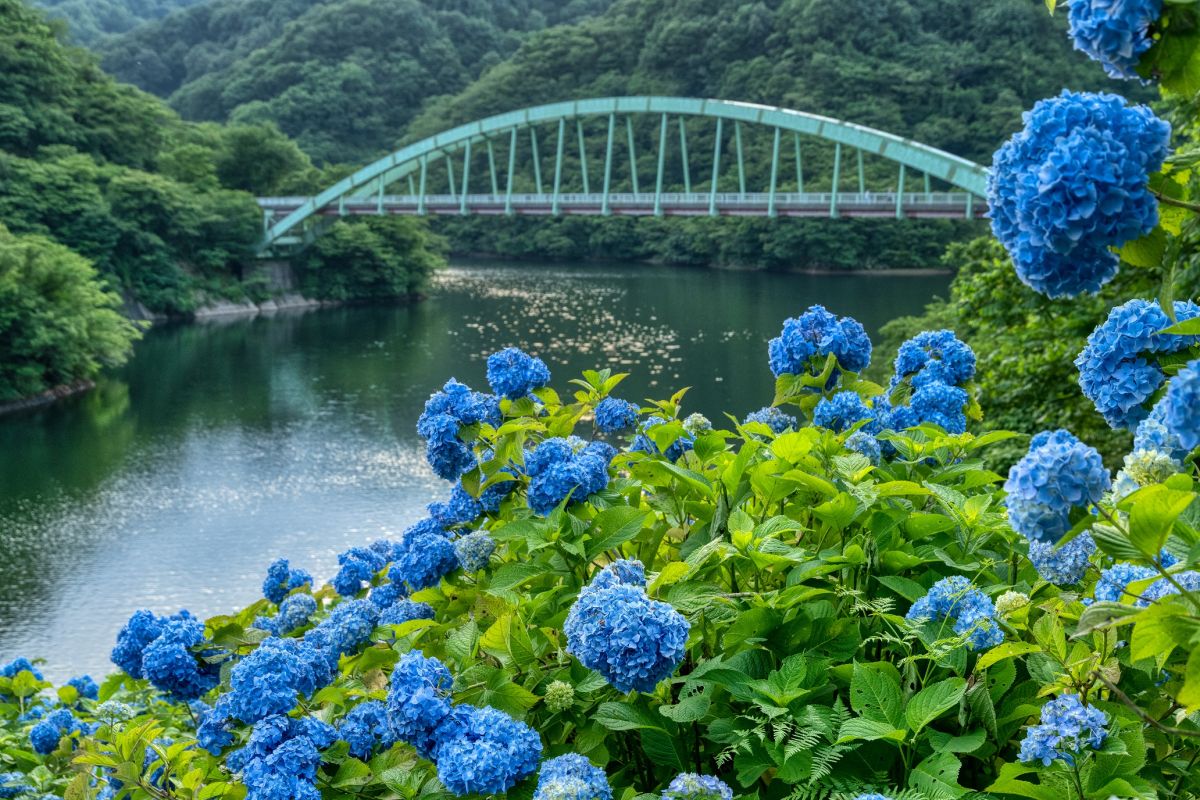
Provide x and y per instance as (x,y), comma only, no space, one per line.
(919,205)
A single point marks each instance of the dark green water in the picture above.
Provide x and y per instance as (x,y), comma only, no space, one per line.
(224,445)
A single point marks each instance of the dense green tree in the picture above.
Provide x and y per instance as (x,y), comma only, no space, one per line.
(92,21)
(258,158)
(58,323)
(375,258)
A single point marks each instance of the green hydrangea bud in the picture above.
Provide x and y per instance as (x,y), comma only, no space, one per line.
(559,696)
(1010,602)
(1149,467)
(696,424)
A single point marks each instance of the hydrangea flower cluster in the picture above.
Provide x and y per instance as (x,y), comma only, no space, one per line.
(294,612)
(1071,184)
(1058,474)
(281,759)
(423,555)
(1152,434)
(934,357)
(1064,565)
(446,412)
(571,777)
(843,410)
(692,786)
(161,650)
(45,736)
(474,550)
(13,784)
(617,630)
(1115,580)
(1011,601)
(773,418)
(560,696)
(696,424)
(405,610)
(866,445)
(282,579)
(973,612)
(1182,406)
(614,415)
(1162,587)
(644,444)
(463,509)
(357,568)
(1113,32)
(475,749)
(513,373)
(19,665)
(872,796)
(85,686)
(1115,369)
(1067,730)
(365,728)
(807,340)
(561,468)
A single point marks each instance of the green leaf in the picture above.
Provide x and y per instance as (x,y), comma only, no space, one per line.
(838,512)
(1006,650)
(933,701)
(1189,327)
(1146,251)
(510,576)
(613,527)
(1007,782)
(625,717)
(868,730)
(875,694)
(351,772)
(1152,516)
(1189,694)
(966,743)
(937,776)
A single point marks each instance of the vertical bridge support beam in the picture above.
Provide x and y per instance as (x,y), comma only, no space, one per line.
(741,162)
(862,178)
(633,176)
(512,165)
(450,175)
(900,195)
(716,173)
(683,152)
(837,174)
(537,161)
(421,196)
(582,156)
(799,166)
(462,208)
(662,157)
(492,170)
(558,157)
(774,174)
(608,148)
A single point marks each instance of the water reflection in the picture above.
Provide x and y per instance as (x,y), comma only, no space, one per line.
(224,445)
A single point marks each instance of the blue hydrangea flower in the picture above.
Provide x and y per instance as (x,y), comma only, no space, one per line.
(692,786)
(386,595)
(571,777)
(272,678)
(1113,32)
(807,340)
(487,752)
(696,424)
(1182,406)
(559,468)
(1115,371)
(1071,184)
(403,611)
(446,412)
(1114,580)
(1152,434)
(86,687)
(366,728)
(614,415)
(1161,588)
(934,356)
(294,612)
(215,729)
(13,784)
(458,509)
(513,373)
(349,626)
(973,612)
(168,662)
(617,630)
(872,796)
(773,418)
(474,550)
(22,664)
(142,628)
(281,579)
(1058,474)
(418,700)
(644,444)
(357,568)
(281,759)
(627,572)
(423,556)
(1068,729)
(842,411)
(1064,565)
(44,738)
(940,404)
(865,444)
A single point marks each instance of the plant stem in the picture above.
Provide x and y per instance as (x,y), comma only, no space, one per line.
(1078,781)
(1171,201)
(1125,699)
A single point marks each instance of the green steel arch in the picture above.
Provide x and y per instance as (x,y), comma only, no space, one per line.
(932,162)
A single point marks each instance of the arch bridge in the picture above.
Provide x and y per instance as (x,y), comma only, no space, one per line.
(569,181)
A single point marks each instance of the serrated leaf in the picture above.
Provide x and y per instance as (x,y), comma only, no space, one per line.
(875,695)
(931,702)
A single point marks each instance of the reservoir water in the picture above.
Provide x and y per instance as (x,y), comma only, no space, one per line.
(226,444)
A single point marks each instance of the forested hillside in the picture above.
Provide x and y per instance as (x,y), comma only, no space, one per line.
(343,78)
(92,21)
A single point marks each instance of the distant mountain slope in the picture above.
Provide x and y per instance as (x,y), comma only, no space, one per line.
(343,78)
(92,21)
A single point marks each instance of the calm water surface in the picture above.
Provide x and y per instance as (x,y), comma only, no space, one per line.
(222,446)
